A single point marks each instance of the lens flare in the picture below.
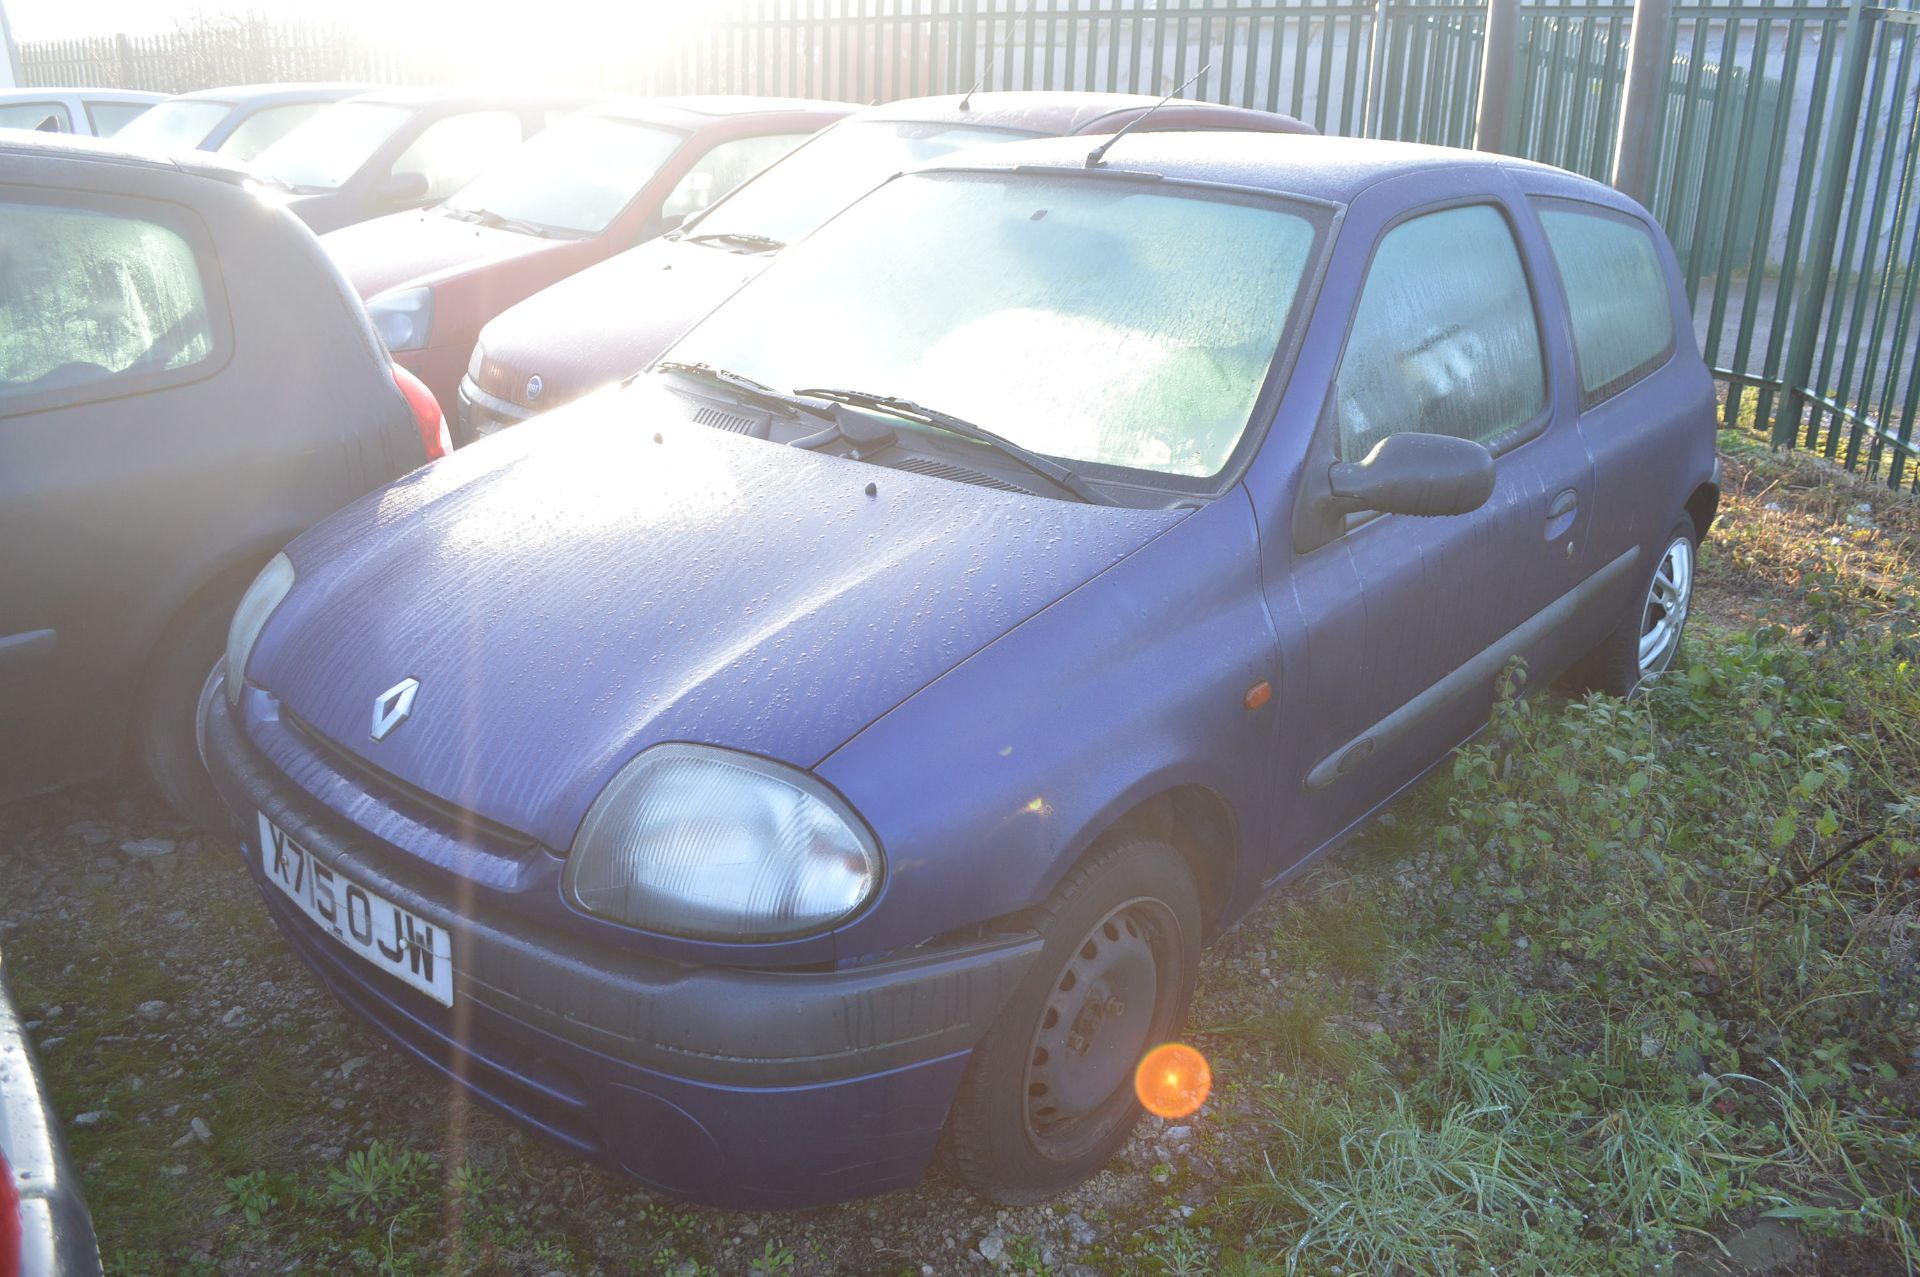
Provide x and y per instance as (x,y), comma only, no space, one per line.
(1173,1080)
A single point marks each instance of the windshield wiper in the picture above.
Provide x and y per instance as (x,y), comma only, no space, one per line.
(908,410)
(739,383)
(487,217)
(746,239)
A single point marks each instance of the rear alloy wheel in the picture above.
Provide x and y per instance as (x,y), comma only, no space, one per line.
(1647,640)
(1048,1098)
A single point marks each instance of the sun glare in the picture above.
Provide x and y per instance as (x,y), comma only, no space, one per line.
(1173,1080)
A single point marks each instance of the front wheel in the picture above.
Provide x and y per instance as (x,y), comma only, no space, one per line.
(1048,1097)
(1647,639)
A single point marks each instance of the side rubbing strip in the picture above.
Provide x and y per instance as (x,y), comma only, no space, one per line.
(1484,665)
(19,649)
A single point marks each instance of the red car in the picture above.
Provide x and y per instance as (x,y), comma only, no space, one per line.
(614,319)
(596,182)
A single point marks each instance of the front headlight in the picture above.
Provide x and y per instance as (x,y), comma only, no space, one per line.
(256,605)
(403,318)
(715,845)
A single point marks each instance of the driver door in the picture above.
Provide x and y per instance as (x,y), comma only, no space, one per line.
(1406,622)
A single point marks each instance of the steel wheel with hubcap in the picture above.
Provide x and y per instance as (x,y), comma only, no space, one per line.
(1048,1096)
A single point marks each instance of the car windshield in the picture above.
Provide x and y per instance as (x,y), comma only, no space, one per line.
(824,175)
(322,153)
(1090,319)
(575,177)
(179,125)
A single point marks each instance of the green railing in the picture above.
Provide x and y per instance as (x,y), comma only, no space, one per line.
(1785,172)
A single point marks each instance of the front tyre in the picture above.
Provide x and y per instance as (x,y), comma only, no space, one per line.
(165,721)
(1048,1096)
(1647,639)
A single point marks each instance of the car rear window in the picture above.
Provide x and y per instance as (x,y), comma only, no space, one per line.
(89,298)
(1616,293)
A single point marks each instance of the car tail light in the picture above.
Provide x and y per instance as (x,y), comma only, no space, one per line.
(426,415)
(10,1225)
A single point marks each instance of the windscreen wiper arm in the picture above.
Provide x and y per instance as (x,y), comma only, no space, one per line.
(746,239)
(906,409)
(739,383)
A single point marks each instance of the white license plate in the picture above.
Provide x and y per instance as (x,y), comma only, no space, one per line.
(397,941)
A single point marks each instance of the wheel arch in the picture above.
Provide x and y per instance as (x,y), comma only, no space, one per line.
(1197,822)
(1703,506)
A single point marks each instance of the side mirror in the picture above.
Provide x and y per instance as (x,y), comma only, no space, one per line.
(403,188)
(1416,474)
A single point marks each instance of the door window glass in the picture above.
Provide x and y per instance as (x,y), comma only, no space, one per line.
(31,115)
(1616,296)
(89,297)
(725,167)
(452,150)
(1444,340)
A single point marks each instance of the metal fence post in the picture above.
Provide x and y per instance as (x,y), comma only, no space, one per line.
(1829,197)
(1649,58)
(1374,110)
(1499,59)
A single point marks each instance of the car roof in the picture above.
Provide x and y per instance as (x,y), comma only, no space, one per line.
(417,97)
(1331,169)
(27,146)
(257,94)
(693,110)
(1061,113)
(41,93)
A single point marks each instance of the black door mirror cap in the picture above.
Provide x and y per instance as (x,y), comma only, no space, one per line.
(1424,475)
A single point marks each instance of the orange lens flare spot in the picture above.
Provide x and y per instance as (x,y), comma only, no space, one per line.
(1173,1080)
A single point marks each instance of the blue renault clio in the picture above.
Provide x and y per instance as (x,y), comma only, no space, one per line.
(839,742)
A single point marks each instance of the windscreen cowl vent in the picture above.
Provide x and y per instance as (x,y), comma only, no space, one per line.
(719,420)
(959,474)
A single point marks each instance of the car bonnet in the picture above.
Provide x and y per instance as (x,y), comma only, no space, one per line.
(606,321)
(422,247)
(574,591)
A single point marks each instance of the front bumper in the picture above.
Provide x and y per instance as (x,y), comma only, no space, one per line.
(56,1234)
(480,414)
(738,1088)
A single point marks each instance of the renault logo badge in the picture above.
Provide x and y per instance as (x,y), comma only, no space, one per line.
(391,707)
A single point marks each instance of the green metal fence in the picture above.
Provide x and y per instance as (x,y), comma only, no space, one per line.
(1785,174)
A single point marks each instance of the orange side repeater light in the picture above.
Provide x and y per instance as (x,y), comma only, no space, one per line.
(1173,1080)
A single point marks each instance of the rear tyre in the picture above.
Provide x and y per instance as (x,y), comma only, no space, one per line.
(1647,639)
(1048,1096)
(165,726)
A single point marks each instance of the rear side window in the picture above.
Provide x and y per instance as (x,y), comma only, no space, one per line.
(452,150)
(91,301)
(31,115)
(1444,340)
(1616,293)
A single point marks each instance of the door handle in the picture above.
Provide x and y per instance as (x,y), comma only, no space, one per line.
(1564,504)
